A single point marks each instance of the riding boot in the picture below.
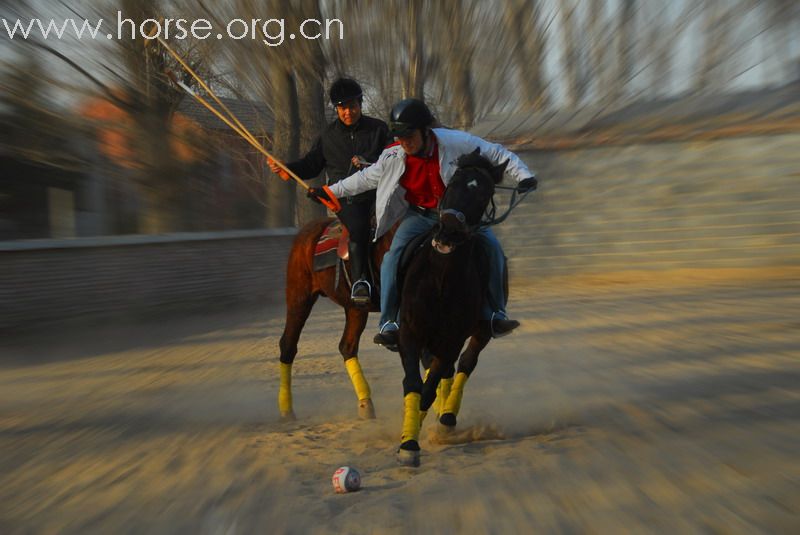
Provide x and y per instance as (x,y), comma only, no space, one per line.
(361,291)
(501,325)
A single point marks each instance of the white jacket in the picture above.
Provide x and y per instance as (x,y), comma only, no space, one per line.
(384,175)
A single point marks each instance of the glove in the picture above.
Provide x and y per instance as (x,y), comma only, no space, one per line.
(316,194)
(275,168)
(526,185)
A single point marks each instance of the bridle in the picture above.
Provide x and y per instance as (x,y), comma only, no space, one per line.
(466,229)
(489,217)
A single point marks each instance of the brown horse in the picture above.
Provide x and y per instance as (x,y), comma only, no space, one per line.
(303,286)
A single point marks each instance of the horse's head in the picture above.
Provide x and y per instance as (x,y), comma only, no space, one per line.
(465,200)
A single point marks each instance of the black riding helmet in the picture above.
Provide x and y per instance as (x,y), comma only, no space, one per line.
(344,90)
(409,115)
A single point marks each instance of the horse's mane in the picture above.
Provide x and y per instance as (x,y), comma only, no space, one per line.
(474,159)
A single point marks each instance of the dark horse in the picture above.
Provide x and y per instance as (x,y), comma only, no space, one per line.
(442,307)
(303,286)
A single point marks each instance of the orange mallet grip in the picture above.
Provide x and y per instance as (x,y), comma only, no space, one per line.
(334,203)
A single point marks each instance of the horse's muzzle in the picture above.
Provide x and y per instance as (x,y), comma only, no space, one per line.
(451,231)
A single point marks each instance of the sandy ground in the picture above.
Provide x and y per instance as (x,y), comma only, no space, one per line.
(670,408)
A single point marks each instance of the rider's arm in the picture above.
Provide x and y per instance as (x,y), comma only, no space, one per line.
(311,164)
(498,154)
(363,180)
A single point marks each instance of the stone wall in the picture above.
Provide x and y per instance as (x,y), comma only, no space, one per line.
(732,203)
(44,282)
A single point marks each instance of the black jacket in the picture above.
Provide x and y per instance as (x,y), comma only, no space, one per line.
(335,148)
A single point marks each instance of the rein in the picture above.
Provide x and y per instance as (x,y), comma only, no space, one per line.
(491,219)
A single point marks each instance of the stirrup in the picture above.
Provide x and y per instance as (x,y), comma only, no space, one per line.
(360,298)
(387,336)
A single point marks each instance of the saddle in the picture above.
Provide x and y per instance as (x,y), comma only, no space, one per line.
(331,246)
(332,250)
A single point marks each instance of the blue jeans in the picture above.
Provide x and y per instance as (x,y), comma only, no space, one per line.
(413,224)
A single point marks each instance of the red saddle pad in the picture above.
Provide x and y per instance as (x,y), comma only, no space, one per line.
(329,240)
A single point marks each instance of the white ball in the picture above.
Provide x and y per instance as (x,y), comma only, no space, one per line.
(346,479)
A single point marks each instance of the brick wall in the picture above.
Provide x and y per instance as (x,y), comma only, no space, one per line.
(49,281)
(717,204)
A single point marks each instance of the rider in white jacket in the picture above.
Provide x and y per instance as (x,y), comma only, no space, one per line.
(418,143)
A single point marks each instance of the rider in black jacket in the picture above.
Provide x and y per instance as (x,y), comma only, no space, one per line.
(347,144)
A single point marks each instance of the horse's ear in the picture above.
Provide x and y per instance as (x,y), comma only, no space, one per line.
(471,159)
(498,170)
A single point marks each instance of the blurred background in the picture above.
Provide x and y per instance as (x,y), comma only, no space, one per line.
(653,385)
(663,134)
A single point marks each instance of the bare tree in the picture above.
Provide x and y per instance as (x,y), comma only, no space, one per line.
(311,65)
(783,19)
(527,44)
(598,43)
(716,32)
(658,47)
(415,70)
(661,40)
(31,128)
(451,60)
(624,51)
(281,86)
(143,93)
(570,42)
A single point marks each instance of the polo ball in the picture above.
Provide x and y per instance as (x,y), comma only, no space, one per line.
(346,479)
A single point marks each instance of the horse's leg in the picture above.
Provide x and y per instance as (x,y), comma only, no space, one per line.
(443,390)
(355,322)
(426,361)
(408,453)
(430,388)
(299,303)
(466,364)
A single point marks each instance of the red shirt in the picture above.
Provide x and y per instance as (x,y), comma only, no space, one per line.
(422,180)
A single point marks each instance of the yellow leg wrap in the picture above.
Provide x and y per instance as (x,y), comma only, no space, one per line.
(357,377)
(442,392)
(285,390)
(411,417)
(453,403)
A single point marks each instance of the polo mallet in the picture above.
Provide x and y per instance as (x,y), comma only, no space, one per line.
(233,122)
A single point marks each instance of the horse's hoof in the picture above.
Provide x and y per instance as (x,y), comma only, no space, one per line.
(448,420)
(366,410)
(288,416)
(408,453)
